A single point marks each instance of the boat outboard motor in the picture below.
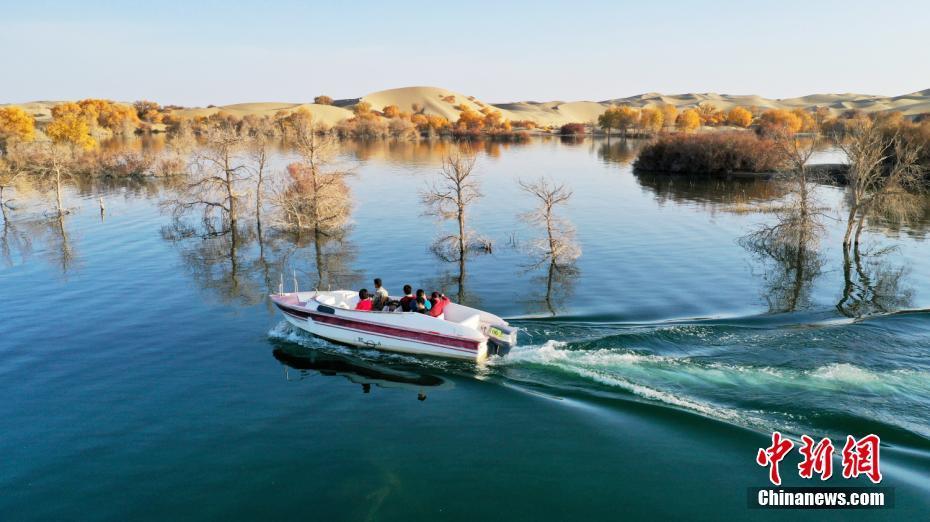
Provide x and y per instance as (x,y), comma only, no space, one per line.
(501,339)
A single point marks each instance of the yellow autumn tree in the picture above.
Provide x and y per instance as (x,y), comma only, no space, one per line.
(688,120)
(492,119)
(362,109)
(627,117)
(739,117)
(391,111)
(808,123)
(710,114)
(323,100)
(669,114)
(70,127)
(651,119)
(780,119)
(299,121)
(148,111)
(115,117)
(470,119)
(421,121)
(438,123)
(15,125)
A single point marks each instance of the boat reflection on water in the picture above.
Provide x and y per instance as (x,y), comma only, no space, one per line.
(310,362)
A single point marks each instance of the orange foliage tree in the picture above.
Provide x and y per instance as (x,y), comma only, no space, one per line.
(362,110)
(115,117)
(669,114)
(780,120)
(391,111)
(808,123)
(323,100)
(148,111)
(470,119)
(739,117)
(688,120)
(438,123)
(710,114)
(71,127)
(16,124)
(651,119)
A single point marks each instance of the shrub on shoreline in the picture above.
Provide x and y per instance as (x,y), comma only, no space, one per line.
(572,129)
(712,153)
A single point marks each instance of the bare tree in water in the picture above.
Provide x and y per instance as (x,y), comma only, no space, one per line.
(217,175)
(884,175)
(791,242)
(51,165)
(557,249)
(12,174)
(314,198)
(449,197)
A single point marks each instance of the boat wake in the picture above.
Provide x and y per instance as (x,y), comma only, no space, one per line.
(816,375)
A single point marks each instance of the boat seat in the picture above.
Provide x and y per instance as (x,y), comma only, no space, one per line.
(472,321)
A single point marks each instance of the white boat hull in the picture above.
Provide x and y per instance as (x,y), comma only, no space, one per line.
(459,333)
(376,341)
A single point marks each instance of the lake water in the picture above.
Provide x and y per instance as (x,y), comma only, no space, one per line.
(146,377)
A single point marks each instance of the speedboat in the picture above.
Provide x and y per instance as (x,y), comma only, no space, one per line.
(460,332)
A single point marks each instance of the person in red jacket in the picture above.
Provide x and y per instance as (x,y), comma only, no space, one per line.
(439,302)
(364,301)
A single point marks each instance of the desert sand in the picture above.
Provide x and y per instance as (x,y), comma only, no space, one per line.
(435,100)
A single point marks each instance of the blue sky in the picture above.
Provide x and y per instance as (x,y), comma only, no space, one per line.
(195,53)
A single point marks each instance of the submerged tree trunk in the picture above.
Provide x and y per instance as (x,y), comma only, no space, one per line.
(230,194)
(3,207)
(847,284)
(461,234)
(461,280)
(850,222)
(549,280)
(318,251)
(859,226)
(58,191)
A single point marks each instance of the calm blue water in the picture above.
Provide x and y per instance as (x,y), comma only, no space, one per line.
(148,378)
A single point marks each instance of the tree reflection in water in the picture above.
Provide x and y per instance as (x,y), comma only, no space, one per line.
(19,238)
(622,152)
(871,285)
(792,264)
(556,286)
(246,263)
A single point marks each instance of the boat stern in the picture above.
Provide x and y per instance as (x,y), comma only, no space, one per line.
(501,338)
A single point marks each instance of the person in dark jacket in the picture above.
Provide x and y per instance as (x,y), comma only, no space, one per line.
(421,304)
(407,299)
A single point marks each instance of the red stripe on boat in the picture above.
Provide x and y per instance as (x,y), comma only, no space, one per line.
(394,332)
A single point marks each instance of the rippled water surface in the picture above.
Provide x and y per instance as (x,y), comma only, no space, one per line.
(146,377)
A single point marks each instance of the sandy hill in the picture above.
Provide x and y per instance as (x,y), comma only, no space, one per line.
(430,100)
(326,114)
(436,100)
(910,104)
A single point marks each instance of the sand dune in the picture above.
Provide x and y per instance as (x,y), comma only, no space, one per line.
(436,100)
(326,114)
(431,100)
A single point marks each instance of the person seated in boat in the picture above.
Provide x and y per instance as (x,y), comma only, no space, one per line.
(407,299)
(438,302)
(364,301)
(380,299)
(421,304)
